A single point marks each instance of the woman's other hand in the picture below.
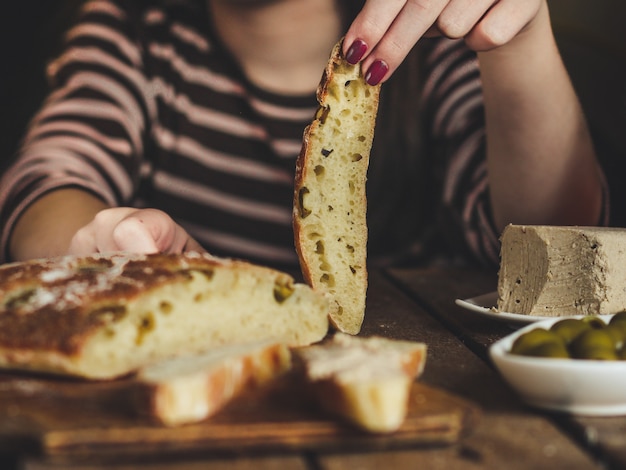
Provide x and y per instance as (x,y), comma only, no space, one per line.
(132,230)
(385,31)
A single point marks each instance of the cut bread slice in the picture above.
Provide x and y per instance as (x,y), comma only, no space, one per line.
(104,316)
(330,206)
(188,389)
(367,381)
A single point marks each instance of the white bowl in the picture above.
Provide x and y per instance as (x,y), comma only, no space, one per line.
(577,386)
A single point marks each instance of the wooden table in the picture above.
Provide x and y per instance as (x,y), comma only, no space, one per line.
(418,304)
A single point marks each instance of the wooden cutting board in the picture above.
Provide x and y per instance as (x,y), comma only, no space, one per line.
(66,418)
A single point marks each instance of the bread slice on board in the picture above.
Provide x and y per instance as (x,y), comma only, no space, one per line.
(104,316)
(367,381)
(330,205)
(191,388)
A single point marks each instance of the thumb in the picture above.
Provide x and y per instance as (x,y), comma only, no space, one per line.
(136,234)
(150,231)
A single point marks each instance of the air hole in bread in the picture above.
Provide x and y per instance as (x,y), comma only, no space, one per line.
(330,208)
(165,307)
(208,273)
(314,235)
(321,114)
(319,171)
(351,187)
(109,313)
(304,213)
(186,274)
(361,138)
(356,157)
(350,248)
(198,297)
(326,152)
(352,269)
(350,91)
(328,279)
(146,325)
(319,247)
(282,291)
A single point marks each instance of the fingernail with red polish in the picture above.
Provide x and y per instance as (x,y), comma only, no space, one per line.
(356,51)
(376,72)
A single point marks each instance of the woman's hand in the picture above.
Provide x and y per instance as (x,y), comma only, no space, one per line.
(132,230)
(386,30)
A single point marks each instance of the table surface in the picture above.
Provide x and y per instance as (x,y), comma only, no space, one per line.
(418,304)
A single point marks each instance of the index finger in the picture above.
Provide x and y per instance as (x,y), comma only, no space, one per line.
(371,24)
(390,29)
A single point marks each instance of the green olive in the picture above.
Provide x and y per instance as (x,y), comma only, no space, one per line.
(589,337)
(600,354)
(532,339)
(619,324)
(594,321)
(569,328)
(617,332)
(551,349)
(593,344)
(618,318)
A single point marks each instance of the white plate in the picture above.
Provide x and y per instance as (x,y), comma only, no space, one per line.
(576,386)
(485,305)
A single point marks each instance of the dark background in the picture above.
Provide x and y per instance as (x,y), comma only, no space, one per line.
(592,40)
(29,34)
(590,35)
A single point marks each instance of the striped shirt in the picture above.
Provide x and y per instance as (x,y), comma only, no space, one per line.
(148,110)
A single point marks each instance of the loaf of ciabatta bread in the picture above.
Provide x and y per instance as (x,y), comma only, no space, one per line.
(366,381)
(104,316)
(561,271)
(330,206)
(191,388)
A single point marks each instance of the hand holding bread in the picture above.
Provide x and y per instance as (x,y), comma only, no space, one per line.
(194,330)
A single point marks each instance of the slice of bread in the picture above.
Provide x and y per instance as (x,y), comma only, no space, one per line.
(188,389)
(104,316)
(330,206)
(367,381)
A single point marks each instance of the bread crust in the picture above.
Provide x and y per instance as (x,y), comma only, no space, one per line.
(357,131)
(192,388)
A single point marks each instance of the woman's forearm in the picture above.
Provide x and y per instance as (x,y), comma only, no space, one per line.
(48,225)
(541,161)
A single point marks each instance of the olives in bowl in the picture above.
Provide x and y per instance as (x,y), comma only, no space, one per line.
(575,364)
(589,337)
